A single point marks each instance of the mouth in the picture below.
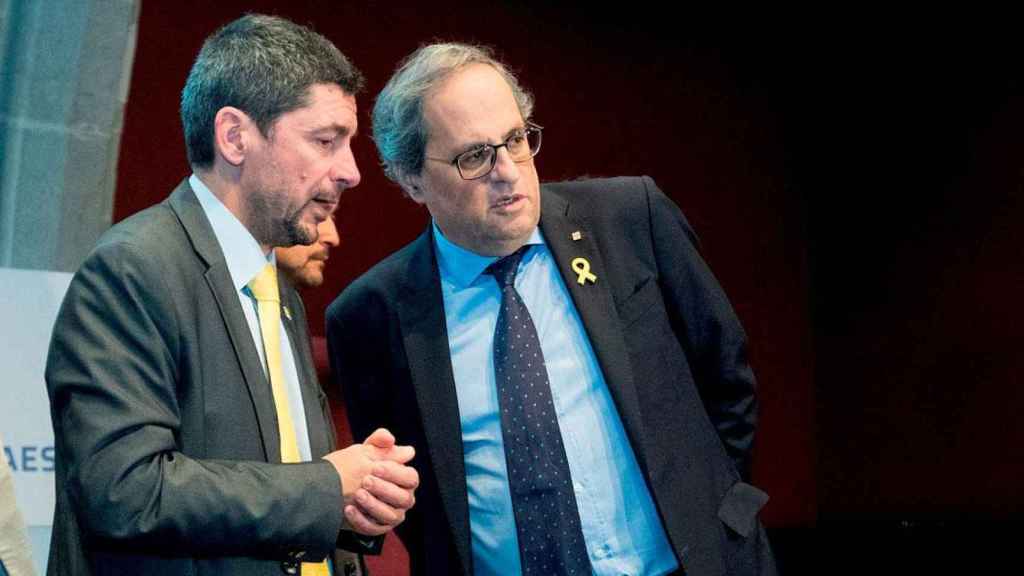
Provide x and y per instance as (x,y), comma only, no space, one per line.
(327,205)
(508,202)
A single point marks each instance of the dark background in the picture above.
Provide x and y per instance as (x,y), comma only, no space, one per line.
(857,193)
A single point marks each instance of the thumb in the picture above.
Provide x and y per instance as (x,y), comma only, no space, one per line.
(380,438)
(401,454)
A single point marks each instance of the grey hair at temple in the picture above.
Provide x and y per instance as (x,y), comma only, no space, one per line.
(262,65)
(398,127)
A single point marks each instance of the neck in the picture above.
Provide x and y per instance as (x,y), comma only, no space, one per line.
(224,184)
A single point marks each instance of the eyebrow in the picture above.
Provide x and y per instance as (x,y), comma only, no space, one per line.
(336,129)
(480,144)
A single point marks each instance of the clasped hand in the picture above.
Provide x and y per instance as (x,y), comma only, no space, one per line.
(376,484)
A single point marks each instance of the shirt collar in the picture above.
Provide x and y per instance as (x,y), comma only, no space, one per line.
(461,266)
(242,252)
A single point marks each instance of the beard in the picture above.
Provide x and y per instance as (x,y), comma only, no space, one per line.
(272,222)
(294,233)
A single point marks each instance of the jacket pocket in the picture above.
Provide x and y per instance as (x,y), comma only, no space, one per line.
(640,301)
(740,506)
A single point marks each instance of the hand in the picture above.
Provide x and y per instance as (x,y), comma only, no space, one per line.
(377,486)
(383,499)
(382,444)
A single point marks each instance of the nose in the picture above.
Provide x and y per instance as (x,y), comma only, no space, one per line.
(344,170)
(327,233)
(505,168)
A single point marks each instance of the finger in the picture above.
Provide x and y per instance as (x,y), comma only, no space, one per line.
(388,493)
(378,511)
(381,438)
(398,474)
(400,454)
(359,522)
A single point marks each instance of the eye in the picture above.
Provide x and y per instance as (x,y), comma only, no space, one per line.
(516,142)
(475,158)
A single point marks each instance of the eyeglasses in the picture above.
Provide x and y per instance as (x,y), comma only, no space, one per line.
(522,145)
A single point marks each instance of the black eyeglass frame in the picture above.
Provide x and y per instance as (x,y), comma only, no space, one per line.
(530,127)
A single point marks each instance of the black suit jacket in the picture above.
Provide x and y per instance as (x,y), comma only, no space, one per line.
(672,351)
(168,458)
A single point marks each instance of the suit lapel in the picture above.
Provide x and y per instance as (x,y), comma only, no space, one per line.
(595,305)
(312,394)
(185,204)
(425,336)
(298,334)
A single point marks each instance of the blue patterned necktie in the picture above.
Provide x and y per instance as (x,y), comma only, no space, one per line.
(547,521)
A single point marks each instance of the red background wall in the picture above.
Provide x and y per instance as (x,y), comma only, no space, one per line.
(859,201)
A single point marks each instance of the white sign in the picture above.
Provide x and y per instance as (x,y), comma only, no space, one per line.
(29,301)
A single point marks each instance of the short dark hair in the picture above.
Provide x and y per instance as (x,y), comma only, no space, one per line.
(262,65)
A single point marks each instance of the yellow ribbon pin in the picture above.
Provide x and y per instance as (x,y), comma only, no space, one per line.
(582,269)
(287,312)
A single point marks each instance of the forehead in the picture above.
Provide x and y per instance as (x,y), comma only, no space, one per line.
(328,106)
(473,105)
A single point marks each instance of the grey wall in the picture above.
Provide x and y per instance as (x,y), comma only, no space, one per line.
(64,72)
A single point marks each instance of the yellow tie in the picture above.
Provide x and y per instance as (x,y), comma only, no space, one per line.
(268,305)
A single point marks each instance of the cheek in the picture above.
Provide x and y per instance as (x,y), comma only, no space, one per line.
(468,207)
(480,204)
(306,169)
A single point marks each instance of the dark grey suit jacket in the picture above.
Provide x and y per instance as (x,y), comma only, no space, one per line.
(672,351)
(168,458)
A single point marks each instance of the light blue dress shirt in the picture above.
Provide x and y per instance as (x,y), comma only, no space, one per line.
(245,259)
(621,527)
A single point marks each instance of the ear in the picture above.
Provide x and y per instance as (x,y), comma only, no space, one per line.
(232,131)
(412,185)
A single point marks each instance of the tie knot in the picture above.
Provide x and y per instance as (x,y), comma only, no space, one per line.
(504,269)
(264,285)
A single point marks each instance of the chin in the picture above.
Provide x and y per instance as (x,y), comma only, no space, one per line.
(520,234)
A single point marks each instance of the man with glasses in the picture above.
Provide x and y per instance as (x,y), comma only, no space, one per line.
(571,375)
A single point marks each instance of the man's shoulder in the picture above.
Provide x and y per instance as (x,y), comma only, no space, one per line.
(148,229)
(156,229)
(132,267)
(150,243)
(601,190)
(394,269)
(619,201)
(387,279)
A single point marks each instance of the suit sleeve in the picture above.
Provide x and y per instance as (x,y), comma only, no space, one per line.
(114,379)
(356,369)
(711,334)
(353,333)
(363,365)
